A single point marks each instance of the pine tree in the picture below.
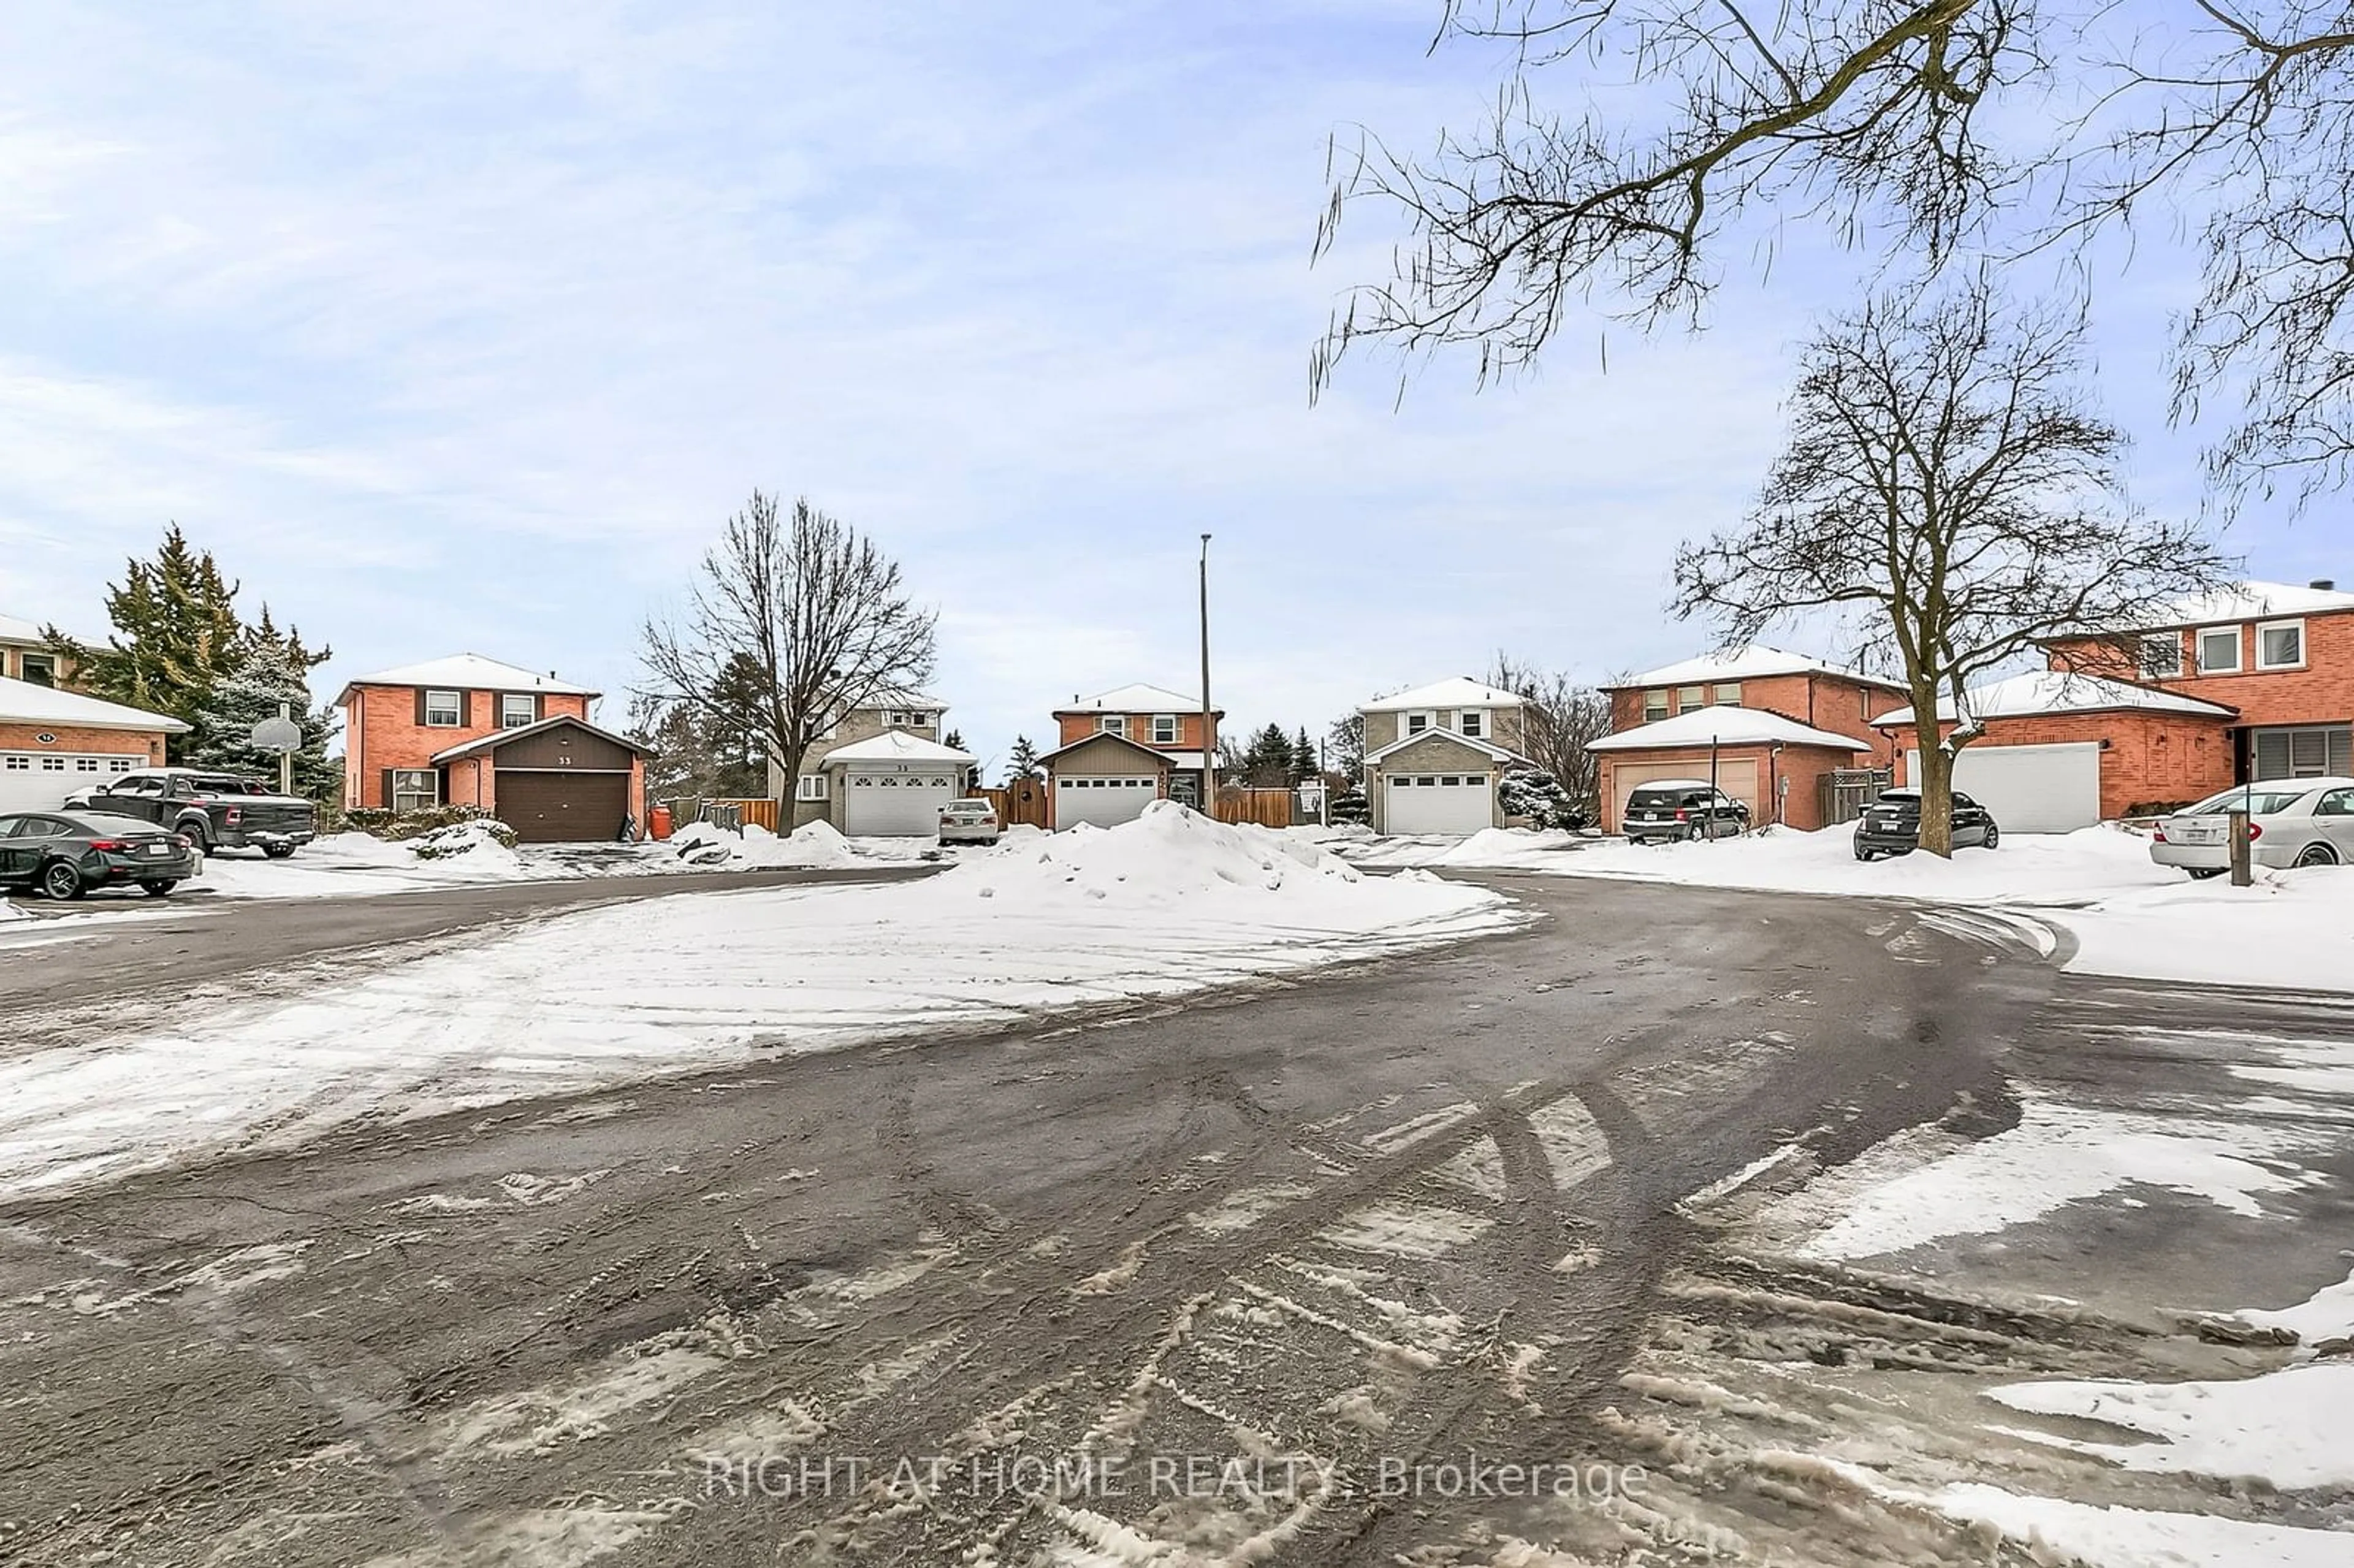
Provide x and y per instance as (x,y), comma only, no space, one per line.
(1022,761)
(175,634)
(1267,762)
(1304,763)
(268,674)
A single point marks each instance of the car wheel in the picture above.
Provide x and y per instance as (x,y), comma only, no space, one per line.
(1864,854)
(158,887)
(1692,834)
(2316,855)
(197,835)
(2201,872)
(279,852)
(59,880)
(1992,838)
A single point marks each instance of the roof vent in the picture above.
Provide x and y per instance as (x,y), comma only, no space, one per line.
(2326,585)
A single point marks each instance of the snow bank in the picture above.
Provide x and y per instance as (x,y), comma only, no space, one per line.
(2291,1429)
(1169,903)
(2101,1537)
(2292,928)
(2328,1314)
(487,848)
(757,849)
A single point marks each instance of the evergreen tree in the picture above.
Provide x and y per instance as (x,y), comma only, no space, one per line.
(1267,762)
(268,674)
(1022,761)
(1304,761)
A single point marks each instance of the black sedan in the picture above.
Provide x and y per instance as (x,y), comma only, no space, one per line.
(66,853)
(1892,825)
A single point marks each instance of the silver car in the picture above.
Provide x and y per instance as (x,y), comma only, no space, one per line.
(968,822)
(2291,822)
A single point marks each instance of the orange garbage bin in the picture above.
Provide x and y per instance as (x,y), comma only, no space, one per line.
(657,821)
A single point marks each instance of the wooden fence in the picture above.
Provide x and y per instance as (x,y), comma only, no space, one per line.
(738,813)
(1020,803)
(1267,808)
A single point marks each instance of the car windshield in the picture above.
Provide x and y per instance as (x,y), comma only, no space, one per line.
(2259,801)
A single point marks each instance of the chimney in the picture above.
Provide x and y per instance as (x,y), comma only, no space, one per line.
(2325,584)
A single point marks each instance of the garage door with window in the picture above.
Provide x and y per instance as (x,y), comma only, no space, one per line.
(1439,803)
(1103,802)
(40,781)
(895,805)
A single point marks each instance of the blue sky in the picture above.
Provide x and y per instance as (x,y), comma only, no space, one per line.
(462,327)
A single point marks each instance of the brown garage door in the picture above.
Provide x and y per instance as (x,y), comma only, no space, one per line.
(562,806)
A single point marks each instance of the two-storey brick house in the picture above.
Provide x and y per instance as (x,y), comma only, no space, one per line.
(880,770)
(471,731)
(1435,755)
(1772,725)
(1120,751)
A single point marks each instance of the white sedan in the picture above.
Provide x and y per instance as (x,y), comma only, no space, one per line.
(2291,822)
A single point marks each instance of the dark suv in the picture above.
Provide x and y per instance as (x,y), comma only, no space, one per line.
(1681,809)
(1891,824)
(213,810)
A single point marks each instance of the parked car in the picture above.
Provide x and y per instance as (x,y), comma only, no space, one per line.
(1681,809)
(1891,824)
(215,810)
(66,853)
(2291,822)
(968,822)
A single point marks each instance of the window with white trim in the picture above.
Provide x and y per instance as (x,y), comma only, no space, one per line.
(1164,730)
(1415,723)
(1113,723)
(2280,645)
(1728,694)
(1690,698)
(443,710)
(812,787)
(2219,650)
(20,764)
(37,668)
(1472,722)
(1655,707)
(53,765)
(517,709)
(2161,655)
(416,789)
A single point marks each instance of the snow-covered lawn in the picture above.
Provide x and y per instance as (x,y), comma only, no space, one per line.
(1169,903)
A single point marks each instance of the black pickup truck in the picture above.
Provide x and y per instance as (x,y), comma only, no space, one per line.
(215,811)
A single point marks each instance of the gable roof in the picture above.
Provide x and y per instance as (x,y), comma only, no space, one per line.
(2249,600)
(2061,692)
(1724,726)
(499,737)
(14,631)
(1752,661)
(29,702)
(1488,749)
(900,697)
(897,746)
(469,672)
(1139,698)
(1047,760)
(1454,692)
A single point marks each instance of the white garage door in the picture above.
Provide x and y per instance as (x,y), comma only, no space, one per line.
(2030,788)
(39,781)
(1438,803)
(895,805)
(1103,802)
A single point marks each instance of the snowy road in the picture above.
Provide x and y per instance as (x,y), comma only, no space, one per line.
(1265,1279)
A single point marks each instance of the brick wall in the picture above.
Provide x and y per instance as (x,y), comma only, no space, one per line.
(1076,727)
(2152,757)
(72,738)
(381,731)
(1803,766)
(2322,691)
(1829,703)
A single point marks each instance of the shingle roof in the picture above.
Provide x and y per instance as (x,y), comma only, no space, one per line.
(1724,726)
(2061,692)
(499,737)
(1755,661)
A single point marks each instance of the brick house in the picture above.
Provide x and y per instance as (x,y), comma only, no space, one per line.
(1778,771)
(2280,656)
(53,742)
(1435,755)
(818,795)
(2055,750)
(25,655)
(471,731)
(1120,751)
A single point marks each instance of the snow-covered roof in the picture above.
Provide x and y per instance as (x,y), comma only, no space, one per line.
(897,746)
(2251,602)
(12,629)
(1103,734)
(499,737)
(28,702)
(2061,692)
(900,697)
(472,673)
(1488,749)
(1754,663)
(1454,692)
(1723,727)
(1139,698)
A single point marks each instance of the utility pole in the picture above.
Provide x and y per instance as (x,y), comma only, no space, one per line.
(1209,748)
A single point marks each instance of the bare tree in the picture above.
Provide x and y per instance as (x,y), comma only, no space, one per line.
(806,612)
(1872,119)
(1562,718)
(1344,746)
(1948,485)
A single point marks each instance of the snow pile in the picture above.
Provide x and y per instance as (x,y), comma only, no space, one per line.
(486,846)
(2291,1429)
(2328,1314)
(1169,903)
(9,910)
(757,849)
(2292,928)
(1167,855)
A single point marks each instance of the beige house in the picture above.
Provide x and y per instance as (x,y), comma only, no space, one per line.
(1436,757)
(810,798)
(25,655)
